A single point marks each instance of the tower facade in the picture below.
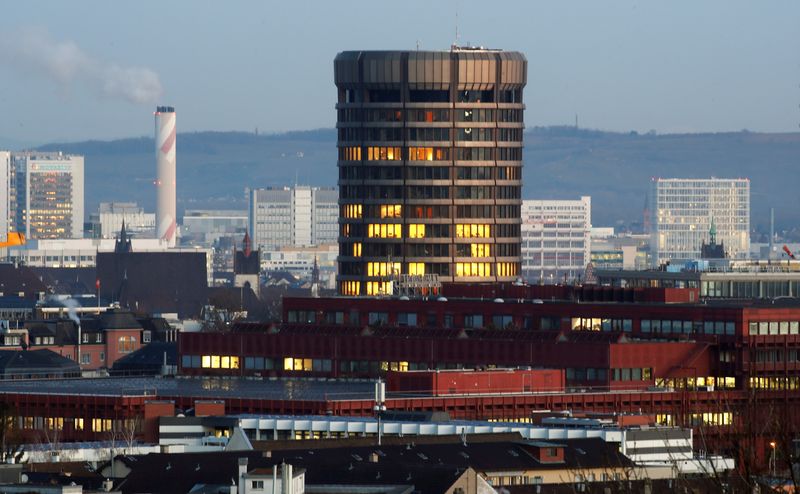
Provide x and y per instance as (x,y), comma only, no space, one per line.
(166,208)
(430,166)
(47,200)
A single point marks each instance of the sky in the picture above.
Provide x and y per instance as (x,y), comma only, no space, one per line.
(96,69)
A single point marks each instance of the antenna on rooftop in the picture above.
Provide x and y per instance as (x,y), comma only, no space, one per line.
(458,35)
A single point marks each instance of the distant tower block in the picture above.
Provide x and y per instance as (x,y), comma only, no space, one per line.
(165,181)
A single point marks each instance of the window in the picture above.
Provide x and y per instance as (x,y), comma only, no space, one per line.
(257,484)
(416,268)
(473,269)
(384,230)
(383,153)
(78,424)
(145,336)
(125,344)
(86,358)
(391,211)
(101,425)
(416,230)
(473,231)
(383,268)
(377,318)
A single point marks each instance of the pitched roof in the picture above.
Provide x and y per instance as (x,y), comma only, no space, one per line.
(35,361)
(148,359)
(431,468)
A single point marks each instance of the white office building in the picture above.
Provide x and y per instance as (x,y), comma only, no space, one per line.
(48,198)
(205,226)
(556,240)
(5,194)
(684,210)
(293,216)
(107,221)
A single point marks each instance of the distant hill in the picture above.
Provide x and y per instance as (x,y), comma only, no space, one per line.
(560,162)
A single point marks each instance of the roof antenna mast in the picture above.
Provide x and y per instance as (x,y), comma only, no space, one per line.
(458,35)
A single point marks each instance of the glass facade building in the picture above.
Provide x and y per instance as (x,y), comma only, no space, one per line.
(685,209)
(430,166)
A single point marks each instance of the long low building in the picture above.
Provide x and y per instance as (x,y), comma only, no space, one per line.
(655,446)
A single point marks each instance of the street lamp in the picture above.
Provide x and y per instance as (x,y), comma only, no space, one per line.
(380,403)
(772,465)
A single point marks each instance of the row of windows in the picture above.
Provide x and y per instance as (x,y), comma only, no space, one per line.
(428,134)
(581,374)
(357,249)
(395,153)
(688,327)
(57,423)
(632,374)
(428,115)
(777,382)
(697,383)
(774,328)
(593,324)
(429,172)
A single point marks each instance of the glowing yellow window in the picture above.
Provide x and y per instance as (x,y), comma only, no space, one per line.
(288,363)
(234,362)
(481,250)
(225,362)
(473,269)
(416,231)
(378,288)
(78,424)
(357,249)
(352,210)
(351,287)
(215,361)
(206,361)
(384,230)
(383,268)
(391,211)
(416,268)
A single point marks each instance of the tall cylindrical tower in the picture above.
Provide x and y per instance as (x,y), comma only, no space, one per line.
(166,227)
(430,166)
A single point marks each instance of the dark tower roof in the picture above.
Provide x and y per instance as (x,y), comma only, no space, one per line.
(247,261)
(123,243)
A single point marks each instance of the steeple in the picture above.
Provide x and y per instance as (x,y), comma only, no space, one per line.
(712,232)
(246,247)
(123,244)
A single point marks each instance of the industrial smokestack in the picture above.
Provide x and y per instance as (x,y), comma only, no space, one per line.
(165,182)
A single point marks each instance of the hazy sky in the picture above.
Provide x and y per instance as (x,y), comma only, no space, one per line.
(95,69)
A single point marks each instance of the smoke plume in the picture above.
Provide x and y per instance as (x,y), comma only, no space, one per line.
(64,63)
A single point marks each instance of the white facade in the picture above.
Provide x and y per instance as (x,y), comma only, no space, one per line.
(684,210)
(5,194)
(48,195)
(556,240)
(299,261)
(204,227)
(107,221)
(296,216)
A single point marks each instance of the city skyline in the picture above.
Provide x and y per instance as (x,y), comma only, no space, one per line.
(622,67)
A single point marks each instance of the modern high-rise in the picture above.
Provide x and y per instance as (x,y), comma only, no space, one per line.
(48,195)
(430,166)
(556,239)
(5,194)
(684,210)
(297,216)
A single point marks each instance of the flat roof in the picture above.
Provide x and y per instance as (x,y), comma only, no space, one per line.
(295,389)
